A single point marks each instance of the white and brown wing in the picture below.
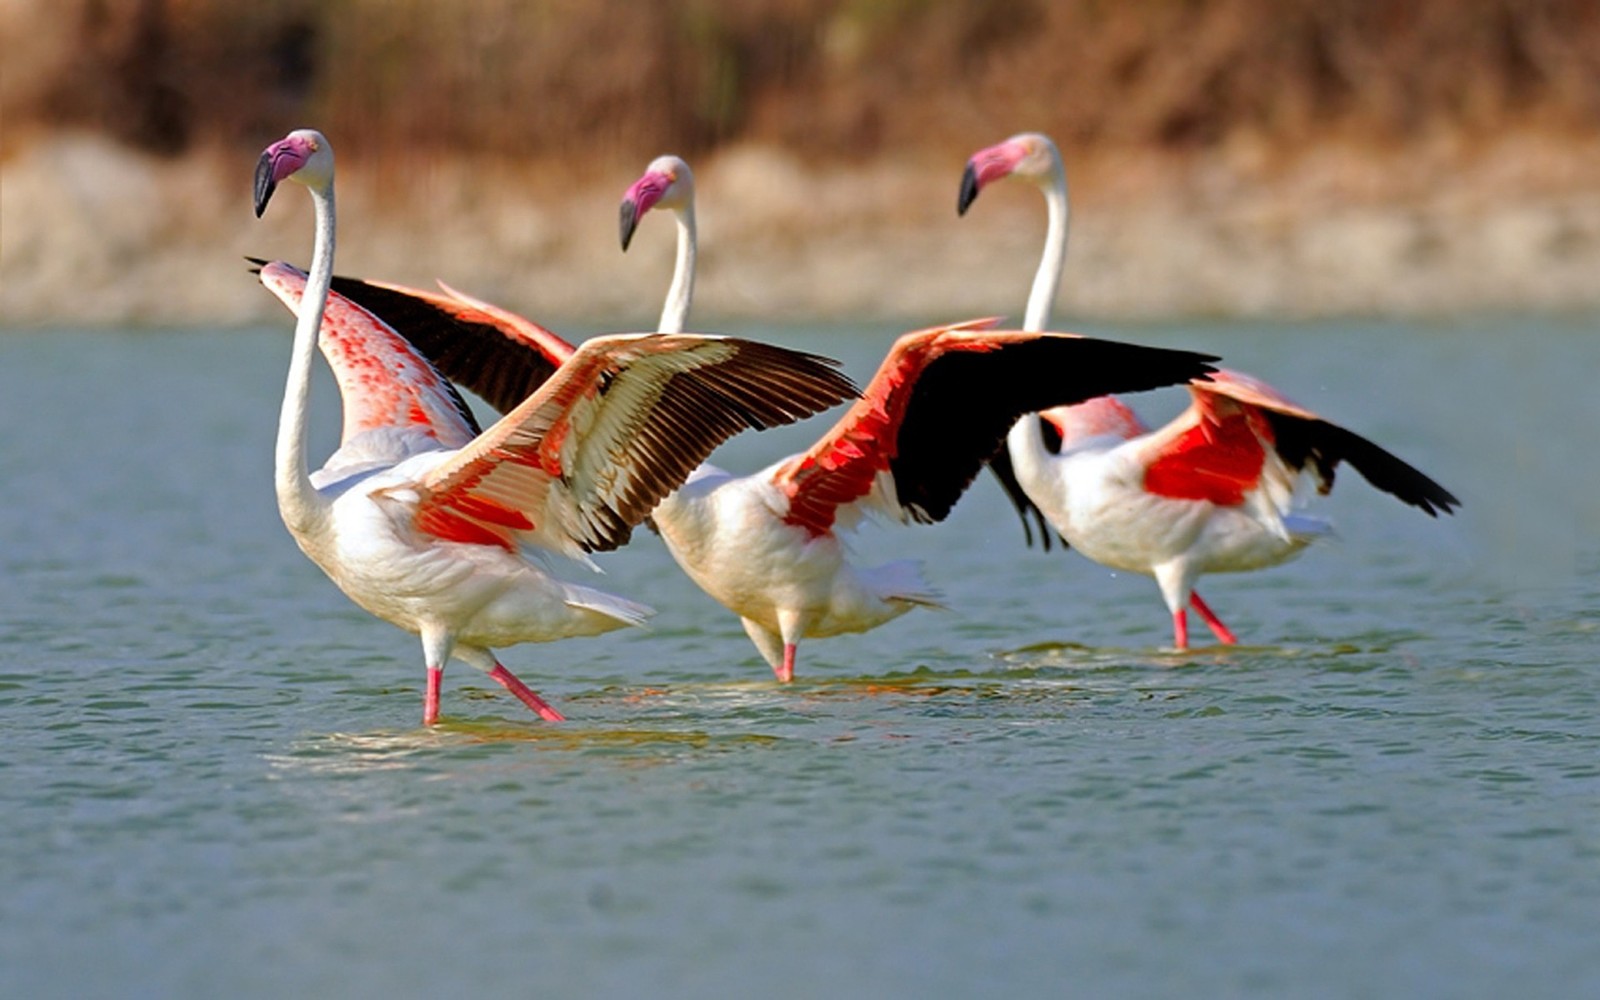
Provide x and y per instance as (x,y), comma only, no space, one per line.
(619,426)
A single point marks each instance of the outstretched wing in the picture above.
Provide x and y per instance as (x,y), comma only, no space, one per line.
(491,351)
(1220,451)
(619,426)
(383,380)
(941,404)
(844,464)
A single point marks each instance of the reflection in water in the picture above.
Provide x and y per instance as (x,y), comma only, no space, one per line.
(358,753)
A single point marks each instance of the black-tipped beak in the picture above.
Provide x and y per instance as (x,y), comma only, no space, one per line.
(627,221)
(265,185)
(969,190)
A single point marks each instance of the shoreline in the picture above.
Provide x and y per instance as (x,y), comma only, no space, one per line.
(95,234)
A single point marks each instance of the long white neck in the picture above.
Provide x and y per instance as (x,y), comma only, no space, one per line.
(675,312)
(1030,458)
(1044,476)
(298,502)
(1048,278)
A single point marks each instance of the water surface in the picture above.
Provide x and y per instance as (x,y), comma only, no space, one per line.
(214,782)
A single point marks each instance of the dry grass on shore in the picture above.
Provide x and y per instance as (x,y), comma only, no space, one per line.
(95,233)
(852,80)
(1227,157)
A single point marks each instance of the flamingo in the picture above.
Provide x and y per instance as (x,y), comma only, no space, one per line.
(422,520)
(1212,491)
(767,546)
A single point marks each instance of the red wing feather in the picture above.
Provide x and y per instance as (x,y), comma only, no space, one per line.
(1215,459)
(384,380)
(1238,417)
(1250,391)
(1217,450)
(841,467)
(942,403)
(448,526)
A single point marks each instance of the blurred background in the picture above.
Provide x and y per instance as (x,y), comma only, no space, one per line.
(1228,158)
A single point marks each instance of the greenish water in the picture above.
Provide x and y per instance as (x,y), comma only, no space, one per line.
(213,781)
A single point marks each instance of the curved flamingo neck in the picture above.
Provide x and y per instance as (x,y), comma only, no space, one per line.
(1034,464)
(675,311)
(301,507)
(1031,459)
(1025,441)
(1048,278)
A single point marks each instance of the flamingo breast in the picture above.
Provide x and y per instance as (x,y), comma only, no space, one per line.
(729,535)
(1110,517)
(485,595)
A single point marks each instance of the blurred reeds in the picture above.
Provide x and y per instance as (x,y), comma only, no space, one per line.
(828,79)
(1228,157)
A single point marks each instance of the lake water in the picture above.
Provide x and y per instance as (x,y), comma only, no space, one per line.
(214,782)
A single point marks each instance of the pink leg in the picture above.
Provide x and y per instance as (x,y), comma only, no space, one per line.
(525,694)
(1224,634)
(786,672)
(430,699)
(1180,629)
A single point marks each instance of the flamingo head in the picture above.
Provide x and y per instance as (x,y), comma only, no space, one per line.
(1030,154)
(667,182)
(1103,416)
(303,155)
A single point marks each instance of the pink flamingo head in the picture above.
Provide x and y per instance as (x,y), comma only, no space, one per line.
(667,182)
(303,155)
(1029,154)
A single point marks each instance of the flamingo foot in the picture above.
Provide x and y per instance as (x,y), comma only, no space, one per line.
(430,698)
(785,672)
(1180,630)
(509,681)
(1224,634)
